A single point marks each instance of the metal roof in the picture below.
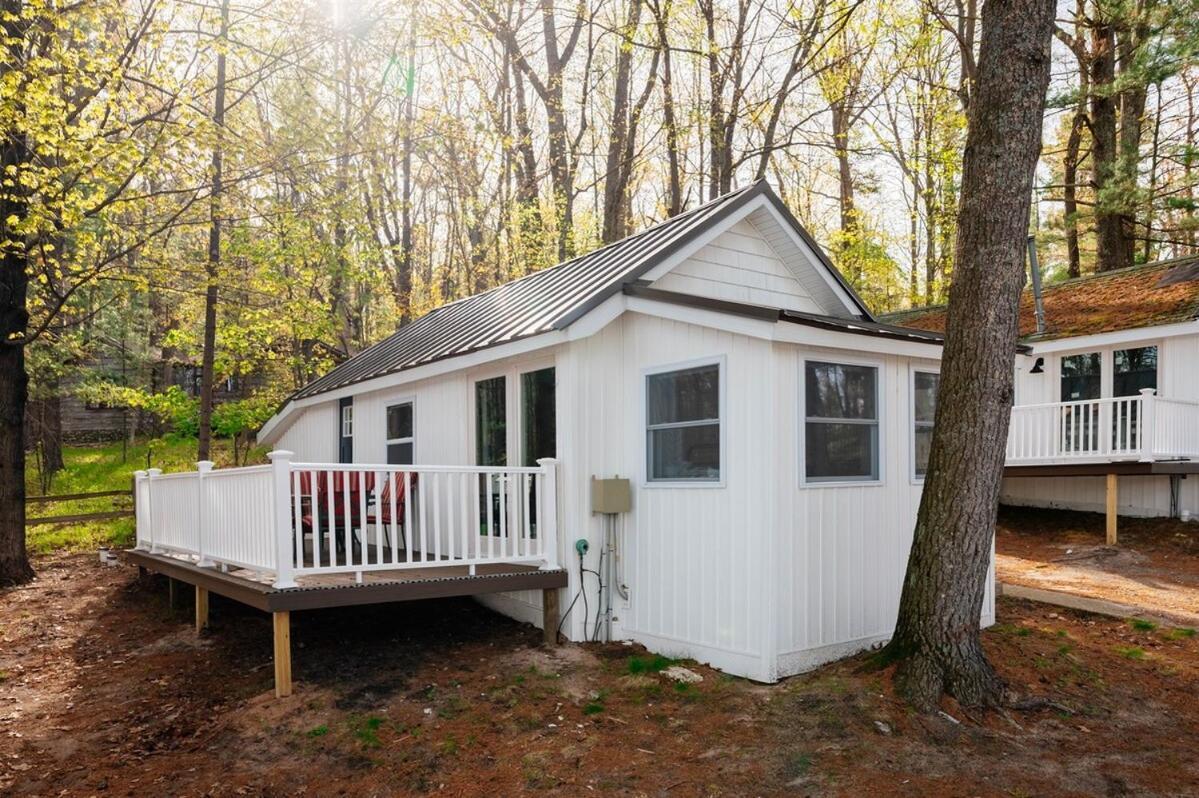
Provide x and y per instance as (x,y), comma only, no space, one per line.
(546,300)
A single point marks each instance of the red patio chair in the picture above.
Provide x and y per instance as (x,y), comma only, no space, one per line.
(381,513)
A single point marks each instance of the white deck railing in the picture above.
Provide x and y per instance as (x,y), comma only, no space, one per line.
(1146,427)
(288,519)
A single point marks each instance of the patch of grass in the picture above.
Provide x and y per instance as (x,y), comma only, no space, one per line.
(593,708)
(449,746)
(90,469)
(318,731)
(1180,633)
(1142,625)
(366,731)
(1011,629)
(651,664)
(1131,652)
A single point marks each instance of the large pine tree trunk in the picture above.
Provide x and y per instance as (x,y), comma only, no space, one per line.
(937,633)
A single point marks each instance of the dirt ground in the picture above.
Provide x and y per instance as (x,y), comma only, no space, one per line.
(105,691)
(1155,566)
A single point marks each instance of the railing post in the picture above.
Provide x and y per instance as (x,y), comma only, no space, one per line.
(202,467)
(150,474)
(547,516)
(284,538)
(141,515)
(1147,434)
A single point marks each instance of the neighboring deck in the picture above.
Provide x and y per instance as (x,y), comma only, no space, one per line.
(320,591)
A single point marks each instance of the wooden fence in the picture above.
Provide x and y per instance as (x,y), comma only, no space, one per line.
(79,518)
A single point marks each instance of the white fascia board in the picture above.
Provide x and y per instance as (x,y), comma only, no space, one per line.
(805,335)
(589,324)
(1115,337)
(784,331)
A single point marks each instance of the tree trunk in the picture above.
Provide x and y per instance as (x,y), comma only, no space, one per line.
(1070,194)
(207,362)
(404,278)
(14,322)
(615,187)
(936,639)
(675,193)
(1110,246)
(50,430)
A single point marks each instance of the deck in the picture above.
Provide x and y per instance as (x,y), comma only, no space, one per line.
(301,536)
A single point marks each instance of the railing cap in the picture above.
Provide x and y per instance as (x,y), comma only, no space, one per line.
(154,472)
(1148,391)
(280,454)
(140,473)
(204,465)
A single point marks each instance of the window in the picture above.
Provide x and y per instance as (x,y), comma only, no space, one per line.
(1081,377)
(491,424)
(683,425)
(399,434)
(841,428)
(1134,369)
(345,427)
(538,415)
(924,411)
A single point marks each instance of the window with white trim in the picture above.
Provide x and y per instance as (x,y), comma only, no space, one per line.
(924,412)
(347,421)
(841,422)
(399,434)
(683,425)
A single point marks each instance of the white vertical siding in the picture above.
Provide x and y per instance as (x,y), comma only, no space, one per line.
(694,557)
(740,266)
(842,550)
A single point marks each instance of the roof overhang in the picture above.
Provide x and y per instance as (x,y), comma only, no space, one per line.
(1113,338)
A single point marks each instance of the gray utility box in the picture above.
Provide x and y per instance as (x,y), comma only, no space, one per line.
(610,495)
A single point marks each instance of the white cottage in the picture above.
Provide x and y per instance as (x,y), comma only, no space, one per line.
(1106,414)
(772,434)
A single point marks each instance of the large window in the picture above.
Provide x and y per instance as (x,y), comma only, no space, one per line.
(491,424)
(924,411)
(683,425)
(399,434)
(538,416)
(1081,377)
(1134,369)
(841,428)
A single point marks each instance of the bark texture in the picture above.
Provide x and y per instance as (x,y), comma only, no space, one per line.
(14,323)
(937,633)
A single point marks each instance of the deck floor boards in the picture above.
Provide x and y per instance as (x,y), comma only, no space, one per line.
(317,591)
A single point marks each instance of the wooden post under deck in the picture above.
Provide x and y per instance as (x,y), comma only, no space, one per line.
(282,624)
(171,594)
(201,608)
(1112,505)
(549,616)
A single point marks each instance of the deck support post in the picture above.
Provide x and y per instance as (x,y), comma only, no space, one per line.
(549,616)
(282,625)
(171,593)
(1113,481)
(201,609)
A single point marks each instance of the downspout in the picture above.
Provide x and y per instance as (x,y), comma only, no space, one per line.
(1034,269)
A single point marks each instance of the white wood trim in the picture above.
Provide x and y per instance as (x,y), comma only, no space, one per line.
(1083,343)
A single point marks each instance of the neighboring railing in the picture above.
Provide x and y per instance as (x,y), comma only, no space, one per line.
(297,519)
(79,518)
(1143,427)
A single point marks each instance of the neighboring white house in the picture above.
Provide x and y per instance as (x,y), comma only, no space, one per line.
(1107,392)
(774,434)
